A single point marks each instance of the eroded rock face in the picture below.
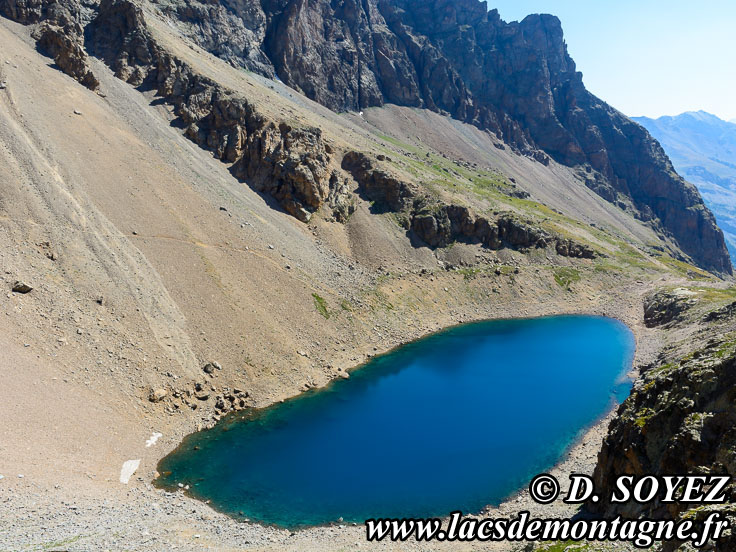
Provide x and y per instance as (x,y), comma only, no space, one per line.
(664,307)
(453,56)
(290,164)
(233,30)
(24,11)
(389,192)
(515,80)
(438,225)
(60,35)
(680,420)
(570,248)
(724,313)
(64,44)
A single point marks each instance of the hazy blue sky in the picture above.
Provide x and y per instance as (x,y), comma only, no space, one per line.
(648,57)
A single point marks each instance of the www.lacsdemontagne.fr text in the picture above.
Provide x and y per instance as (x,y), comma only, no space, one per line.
(641,532)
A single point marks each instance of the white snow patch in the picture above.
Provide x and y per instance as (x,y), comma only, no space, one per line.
(154,437)
(128,470)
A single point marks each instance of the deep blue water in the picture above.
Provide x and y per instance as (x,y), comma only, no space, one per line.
(455,421)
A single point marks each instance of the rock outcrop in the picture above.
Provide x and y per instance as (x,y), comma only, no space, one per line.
(290,164)
(514,79)
(65,45)
(25,11)
(681,419)
(60,35)
(438,224)
(664,307)
(377,185)
(233,30)
(724,313)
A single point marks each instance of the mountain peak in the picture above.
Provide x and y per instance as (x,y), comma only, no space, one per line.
(513,80)
(696,115)
(702,147)
(702,115)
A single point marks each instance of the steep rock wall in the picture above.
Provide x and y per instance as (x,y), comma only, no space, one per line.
(515,80)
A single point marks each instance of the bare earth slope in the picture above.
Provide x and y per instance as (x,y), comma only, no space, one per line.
(150,256)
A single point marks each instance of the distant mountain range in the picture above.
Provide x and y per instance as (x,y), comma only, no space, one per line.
(702,148)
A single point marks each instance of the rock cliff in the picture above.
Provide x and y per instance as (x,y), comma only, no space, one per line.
(438,224)
(515,80)
(702,148)
(290,164)
(680,416)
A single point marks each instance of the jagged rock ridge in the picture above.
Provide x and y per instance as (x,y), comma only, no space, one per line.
(293,165)
(514,79)
(438,224)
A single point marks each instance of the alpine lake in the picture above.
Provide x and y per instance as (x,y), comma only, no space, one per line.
(458,420)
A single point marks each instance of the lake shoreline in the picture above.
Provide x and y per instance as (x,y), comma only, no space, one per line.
(580,457)
(506,380)
(139,510)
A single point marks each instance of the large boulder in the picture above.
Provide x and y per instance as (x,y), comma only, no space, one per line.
(665,307)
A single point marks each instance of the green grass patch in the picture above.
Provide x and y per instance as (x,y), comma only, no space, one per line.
(725,349)
(695,418)
(565,276)
(321,305)
(603,266)
(398,143)
(715,295)
(686,269)
(60,544)
(693,512)
(644,417)
(629,255)
(469,273)
(668,367)
(382,300)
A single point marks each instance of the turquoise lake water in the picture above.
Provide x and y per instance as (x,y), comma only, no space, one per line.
(455,421)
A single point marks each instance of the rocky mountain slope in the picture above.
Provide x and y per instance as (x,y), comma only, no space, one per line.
(514,80)
(199,239)
(702,148)
(681,415)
